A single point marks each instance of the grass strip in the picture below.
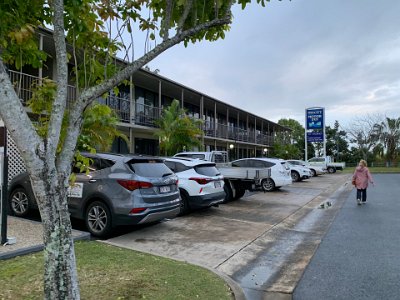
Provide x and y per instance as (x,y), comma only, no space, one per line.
(109,272)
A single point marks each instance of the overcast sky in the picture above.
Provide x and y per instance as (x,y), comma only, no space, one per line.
(277,61)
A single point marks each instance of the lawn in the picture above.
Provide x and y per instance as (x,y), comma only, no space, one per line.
(108,272)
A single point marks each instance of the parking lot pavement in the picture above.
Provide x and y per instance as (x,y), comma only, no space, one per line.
(262,241)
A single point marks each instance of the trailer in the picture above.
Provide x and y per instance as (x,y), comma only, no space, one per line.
(327,163)
(237,179)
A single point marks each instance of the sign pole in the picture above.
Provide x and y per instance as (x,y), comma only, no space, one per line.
(4,196)
(305,139)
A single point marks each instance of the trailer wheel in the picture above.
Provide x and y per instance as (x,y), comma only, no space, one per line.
(268,185)
(239,193)
(228,192)
(331,170)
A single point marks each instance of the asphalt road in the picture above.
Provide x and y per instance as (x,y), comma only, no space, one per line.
(359,258)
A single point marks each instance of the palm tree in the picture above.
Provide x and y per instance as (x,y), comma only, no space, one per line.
(177,131)
(388,132)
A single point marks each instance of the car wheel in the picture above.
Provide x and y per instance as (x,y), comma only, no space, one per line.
(295,176)
(185,207)
(267,185)
(98,219)
(19,202)
(313,173)
(331,170)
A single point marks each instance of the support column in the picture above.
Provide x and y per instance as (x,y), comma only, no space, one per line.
(215,122)
(132,101)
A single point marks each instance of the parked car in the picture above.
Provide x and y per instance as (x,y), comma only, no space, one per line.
(299,172)
(315,170)
(118,190)
(280,171)
(200,183)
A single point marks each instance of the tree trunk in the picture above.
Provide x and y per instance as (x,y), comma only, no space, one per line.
(60,275)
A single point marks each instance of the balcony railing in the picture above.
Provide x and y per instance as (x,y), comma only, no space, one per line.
(23,84)
(146,115)
(237,134)
(122,106)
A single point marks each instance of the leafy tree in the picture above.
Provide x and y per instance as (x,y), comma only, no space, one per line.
(291,144)
(91,49)
(336,143)
(177,131)
(388,132)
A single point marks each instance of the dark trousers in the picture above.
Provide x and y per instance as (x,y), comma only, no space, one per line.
(362,194)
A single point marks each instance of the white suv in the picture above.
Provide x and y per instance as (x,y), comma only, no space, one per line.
(299,172)
(200,183)
(315,170)
(280,171)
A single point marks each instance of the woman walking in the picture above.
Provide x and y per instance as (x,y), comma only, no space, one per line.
(361,178)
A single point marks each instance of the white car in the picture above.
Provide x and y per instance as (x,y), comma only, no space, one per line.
(315,170)
(299,172)
(280,171)
(200,182)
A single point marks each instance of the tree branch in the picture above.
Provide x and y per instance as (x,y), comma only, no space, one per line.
(185,14)
(166,25)
(57,114)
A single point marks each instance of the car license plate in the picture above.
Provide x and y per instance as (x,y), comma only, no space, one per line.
(165,189)
(217,184)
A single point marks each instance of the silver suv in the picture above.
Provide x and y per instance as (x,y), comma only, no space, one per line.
(118,190)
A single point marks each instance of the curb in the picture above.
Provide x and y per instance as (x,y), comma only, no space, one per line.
(32,249)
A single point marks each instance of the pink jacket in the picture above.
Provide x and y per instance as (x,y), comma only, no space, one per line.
(362,176)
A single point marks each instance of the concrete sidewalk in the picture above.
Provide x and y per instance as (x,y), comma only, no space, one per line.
(29,237)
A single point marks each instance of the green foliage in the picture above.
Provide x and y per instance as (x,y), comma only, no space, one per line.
(177,131)
(388,133)
(336,143)
(99,127)
(18,43)
(289,144)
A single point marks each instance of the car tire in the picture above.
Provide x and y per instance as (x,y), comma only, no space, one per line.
(19,202)
(331,170)
(267,185)
(98,219)
(313,173)
(295,176)
(185,206)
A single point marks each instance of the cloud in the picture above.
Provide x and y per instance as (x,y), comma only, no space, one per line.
(279,60)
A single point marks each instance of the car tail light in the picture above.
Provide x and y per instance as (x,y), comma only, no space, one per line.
(201,180)
(134,185)
(137,210)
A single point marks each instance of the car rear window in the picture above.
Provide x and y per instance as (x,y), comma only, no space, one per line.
(191,155)
(207,170)
(149,167)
